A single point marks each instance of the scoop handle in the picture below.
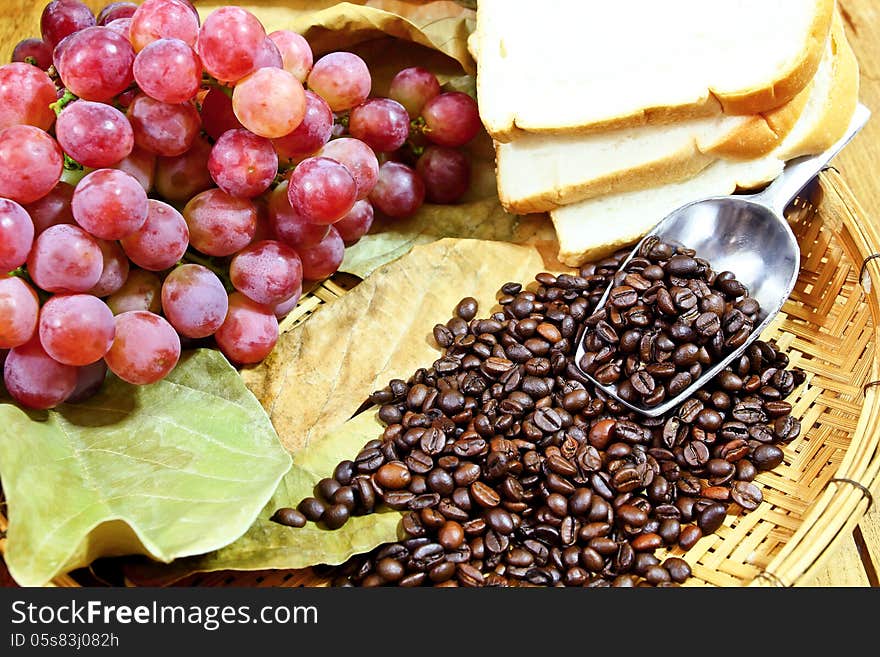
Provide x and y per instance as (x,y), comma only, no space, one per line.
(798,172)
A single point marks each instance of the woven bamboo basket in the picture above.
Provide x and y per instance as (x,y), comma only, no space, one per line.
(822,490)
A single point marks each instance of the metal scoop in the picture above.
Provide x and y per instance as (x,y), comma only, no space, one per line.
(745,234)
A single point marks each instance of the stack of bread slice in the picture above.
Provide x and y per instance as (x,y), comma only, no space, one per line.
(611,115)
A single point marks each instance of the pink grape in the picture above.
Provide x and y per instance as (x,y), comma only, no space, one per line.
(34,379)
(142,290)
(96,63)
(220,224)
(446,173)
(243,164)
(180,178)
(283,309)
(229,43)
(16,235)
(115,271)
(25,95)
(288,225)
(356,223)
(122,27)
(268,56)
(249,332)
(342,79)
(19,309)
(266,272)
(269,102)
(61,18)
(94,134)
(65,258)
(311,134)
(400,192)
(145,350)
(194,301)
(413,87)
(76,329)
(163,19)
(115,11)
(161,241)
(163,128)
(323,260)
(30,163)
(452,119)
(36,49)
(322,190)
(296,54)
(217,114)
(53,209)
(358,158)
(169,71)
(381,123)
(140,165)
(89,380)
(110,204)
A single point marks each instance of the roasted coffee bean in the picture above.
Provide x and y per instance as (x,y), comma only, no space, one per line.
(689,537)
(325,488)
(484,495)
(467,308)
(344,472)
(711,518)
(786,428)
(289,517)
(747,495)
(679,570)
(312,508)
(679,383)
(393,475)
(767,457)
(335,516)
(345,495)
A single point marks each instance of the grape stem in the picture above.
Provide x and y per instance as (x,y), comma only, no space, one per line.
(63,102)
(192,257)
(208,81)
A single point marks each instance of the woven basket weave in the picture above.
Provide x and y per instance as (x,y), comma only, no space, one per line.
(822,489)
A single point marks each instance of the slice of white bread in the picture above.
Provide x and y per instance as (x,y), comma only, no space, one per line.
(592,229)
(582,65)
(537,172)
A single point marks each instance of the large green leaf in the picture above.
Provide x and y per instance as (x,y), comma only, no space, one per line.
(177,468)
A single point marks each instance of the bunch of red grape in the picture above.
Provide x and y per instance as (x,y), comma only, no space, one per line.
(163,179)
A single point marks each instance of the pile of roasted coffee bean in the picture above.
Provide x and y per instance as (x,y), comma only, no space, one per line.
(667,318)
(512,469)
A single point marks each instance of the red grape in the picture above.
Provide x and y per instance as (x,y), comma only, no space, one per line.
(36,49)
(168,70)
(358,158)
(311,134)
(269,102)
(142,290)
(283,309)
(115,11)
(25,95)
(452,119)
(268,56)
(122,27)
(296,54)
(400,192)
(342,79)
(267,272)
(53,208)
(163,128)
(145,350)
(220,224)
(249,332)
(194,301)
(322,190)
(140,165)
(110,204)
(161,241)
(89,380)
(182,177)
(163,19)
(94,134)
(381,123)
(65,258)
(289,226)
(16,235)
(323,260)
(96,63)
(61,18)
(413,87)
(34,379)
(30,163)
(19,309)
(356,223)
(217,114)
(76,329)
(243,164)
(115,271)
(446,173)
(229,43)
